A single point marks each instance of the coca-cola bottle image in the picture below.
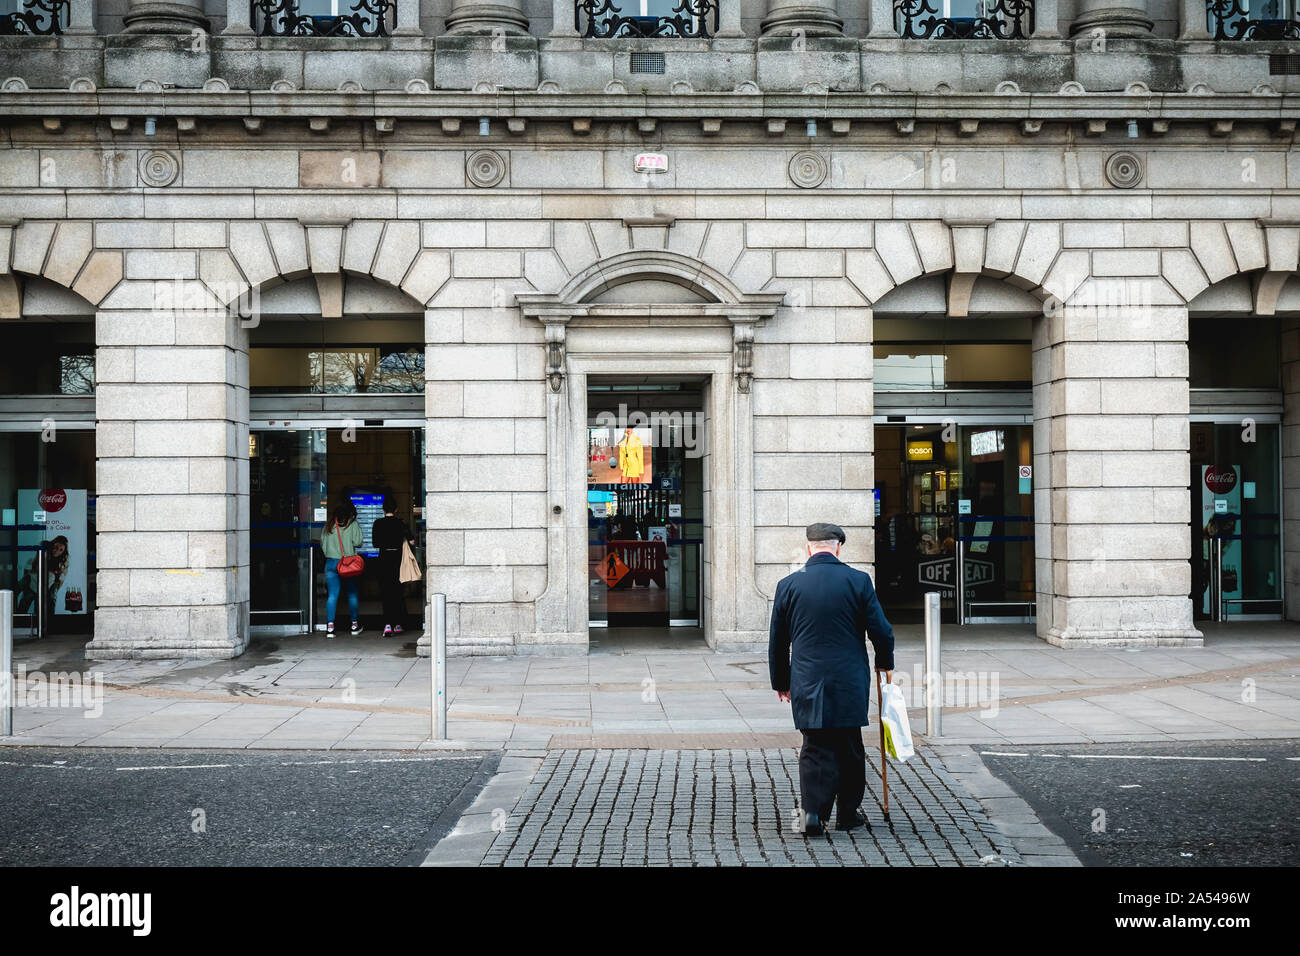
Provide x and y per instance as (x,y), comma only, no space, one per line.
(72,600)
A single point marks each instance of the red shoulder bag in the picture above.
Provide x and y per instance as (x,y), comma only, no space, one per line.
(350,565)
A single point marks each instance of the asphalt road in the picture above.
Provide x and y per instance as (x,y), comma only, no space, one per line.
(115,807)
(1241,808)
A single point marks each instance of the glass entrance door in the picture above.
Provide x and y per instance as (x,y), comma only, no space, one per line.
(954,514)
(995,522)
(1236,521)
(645,506)
(288,500)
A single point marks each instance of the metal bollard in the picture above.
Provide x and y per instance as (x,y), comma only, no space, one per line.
(6,663)
(438,662)
(933,672)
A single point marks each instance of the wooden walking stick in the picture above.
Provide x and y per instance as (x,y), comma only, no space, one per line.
(880,718)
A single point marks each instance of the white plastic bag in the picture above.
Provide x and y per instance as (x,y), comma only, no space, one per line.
(893,715)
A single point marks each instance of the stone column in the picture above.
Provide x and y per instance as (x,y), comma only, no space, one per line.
(805,18)
(882,19)
(1117,18)
(486,397)
(562,19)
(1047,19)
(165,16)
(813,439)
(728,19)
(487,17)
(171,407)
(238,18)
(408,19)
(1193,20)
(81,18)
(1111,460)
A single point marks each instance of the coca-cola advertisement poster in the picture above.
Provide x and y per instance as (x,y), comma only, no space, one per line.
(56,518)
(1222,484)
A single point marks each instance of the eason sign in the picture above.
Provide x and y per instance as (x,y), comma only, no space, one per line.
(56,518)
(942,573)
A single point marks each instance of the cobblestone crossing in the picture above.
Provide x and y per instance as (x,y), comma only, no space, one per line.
(733,808)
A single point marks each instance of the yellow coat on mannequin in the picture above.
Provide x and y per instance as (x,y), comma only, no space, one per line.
(631,457)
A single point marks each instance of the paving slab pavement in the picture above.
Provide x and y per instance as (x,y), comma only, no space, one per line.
(1002,686)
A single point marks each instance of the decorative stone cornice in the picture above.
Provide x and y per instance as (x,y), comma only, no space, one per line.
(721,301)
(888,107)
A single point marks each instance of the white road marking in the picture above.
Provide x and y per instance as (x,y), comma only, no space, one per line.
(182,766)
(221,766)
(1166,757)
(999,753)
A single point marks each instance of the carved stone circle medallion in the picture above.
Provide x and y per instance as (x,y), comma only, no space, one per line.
(485,167)
(808,169)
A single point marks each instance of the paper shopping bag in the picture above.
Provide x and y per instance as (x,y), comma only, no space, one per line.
(410,569)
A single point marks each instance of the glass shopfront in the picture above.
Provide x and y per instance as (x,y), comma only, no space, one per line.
(47,529)
(954,514)
(645,500)
(47,474)
(1235,482)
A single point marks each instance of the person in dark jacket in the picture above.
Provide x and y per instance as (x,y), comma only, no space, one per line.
(387,534)
(817,656)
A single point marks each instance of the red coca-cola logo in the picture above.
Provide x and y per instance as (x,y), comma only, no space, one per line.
(53,499)
(1220,479)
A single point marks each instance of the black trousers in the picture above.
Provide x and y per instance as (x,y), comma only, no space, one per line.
(390,587)
(832,765)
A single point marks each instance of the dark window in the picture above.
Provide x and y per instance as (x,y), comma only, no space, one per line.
(47,358)
(336,369)
(1236,351)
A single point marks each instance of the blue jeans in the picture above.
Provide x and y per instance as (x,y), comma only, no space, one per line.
(332,584)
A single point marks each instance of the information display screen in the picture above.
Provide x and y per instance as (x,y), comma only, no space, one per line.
(370,508)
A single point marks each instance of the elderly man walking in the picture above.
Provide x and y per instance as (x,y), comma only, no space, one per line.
(817,656)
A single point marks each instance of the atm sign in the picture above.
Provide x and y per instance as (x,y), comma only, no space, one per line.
(651,163)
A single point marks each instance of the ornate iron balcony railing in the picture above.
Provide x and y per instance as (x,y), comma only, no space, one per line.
(996,20)
(690,19)
(36,18)
(1251,20)
(286,18)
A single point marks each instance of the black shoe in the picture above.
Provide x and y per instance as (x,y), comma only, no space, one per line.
(859,819)
(812,825)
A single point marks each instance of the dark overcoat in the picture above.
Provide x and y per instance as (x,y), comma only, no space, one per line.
(817,648)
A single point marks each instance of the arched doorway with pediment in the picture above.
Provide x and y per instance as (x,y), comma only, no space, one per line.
(649,455)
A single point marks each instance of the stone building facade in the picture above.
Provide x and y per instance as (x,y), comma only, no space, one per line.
(173,183)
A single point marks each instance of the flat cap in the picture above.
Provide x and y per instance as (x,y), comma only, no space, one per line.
(822,531)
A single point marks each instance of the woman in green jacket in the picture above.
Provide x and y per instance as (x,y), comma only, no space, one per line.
(342,537)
